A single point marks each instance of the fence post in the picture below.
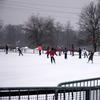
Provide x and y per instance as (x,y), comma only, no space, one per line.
(64,95)
(9,95)
(46,97)
(72,95)
(28,95)
(37,96)
(56,94)
(88,95)
(19,95)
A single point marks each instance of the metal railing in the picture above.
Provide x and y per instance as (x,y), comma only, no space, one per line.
(64,91)
(82,83)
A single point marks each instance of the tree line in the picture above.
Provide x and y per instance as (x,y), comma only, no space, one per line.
(46,32)
(38,31)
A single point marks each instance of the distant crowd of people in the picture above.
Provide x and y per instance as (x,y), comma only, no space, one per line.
(18,49)
(52,52)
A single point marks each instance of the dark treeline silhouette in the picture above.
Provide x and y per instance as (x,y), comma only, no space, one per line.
(13,35)
(38,31)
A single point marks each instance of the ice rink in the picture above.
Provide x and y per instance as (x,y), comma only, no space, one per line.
(33,70)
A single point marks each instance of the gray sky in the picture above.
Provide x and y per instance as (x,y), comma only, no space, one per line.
(18,11)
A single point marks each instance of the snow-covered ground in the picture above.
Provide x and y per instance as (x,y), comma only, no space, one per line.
(32,70)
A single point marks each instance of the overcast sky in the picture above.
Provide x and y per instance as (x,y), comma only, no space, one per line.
(19,11)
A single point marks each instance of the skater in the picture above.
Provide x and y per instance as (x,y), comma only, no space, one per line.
(6,49)
(91,54)
(40,49)
(65,53)
(72,50)
(59,49)
(52,53)
(80,53)
(85,54)
(47,52)
(20,52)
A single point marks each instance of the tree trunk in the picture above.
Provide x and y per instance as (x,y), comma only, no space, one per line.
(94,42)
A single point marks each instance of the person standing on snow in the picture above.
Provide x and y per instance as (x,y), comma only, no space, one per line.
(85,54)
(65,53)
(80,53)
(91,54)
(20,52)
(72,50)
(6,49)
(52,53)
(47,52)
(40,49)
(59,49)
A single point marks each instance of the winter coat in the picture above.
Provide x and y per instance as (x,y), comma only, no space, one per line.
(52,53)
(48,52)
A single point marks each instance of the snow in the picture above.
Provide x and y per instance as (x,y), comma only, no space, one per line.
(32,70)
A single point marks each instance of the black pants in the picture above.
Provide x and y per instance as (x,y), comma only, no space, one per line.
(20,53)
(39,52)
(52,59)
(47,55)
(65,55)
(79,56)
(90,58)
(6,51)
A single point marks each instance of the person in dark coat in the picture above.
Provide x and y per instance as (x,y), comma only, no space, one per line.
(91,54)
(20,52)
(52,53)
(39,52)
(65,53)
(47,52)
(6,49)
(80,53)
(72,50)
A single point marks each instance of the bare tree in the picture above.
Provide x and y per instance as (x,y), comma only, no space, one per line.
(98,12)
(40,30)
(1,34)
(69,35)
(44,31)
(59,35)
(89,22)
(12,35)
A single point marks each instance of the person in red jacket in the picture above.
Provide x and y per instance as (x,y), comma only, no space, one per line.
(52,53)
(40,49)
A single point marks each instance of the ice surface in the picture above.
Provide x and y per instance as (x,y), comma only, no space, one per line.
(32,70)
